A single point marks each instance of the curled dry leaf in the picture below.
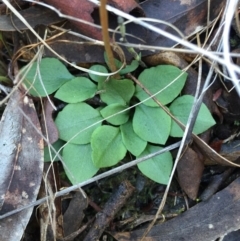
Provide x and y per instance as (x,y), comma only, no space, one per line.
(229,150)
(190,169)
(21,161)
(211,155)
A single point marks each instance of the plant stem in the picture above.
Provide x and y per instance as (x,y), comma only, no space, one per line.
(106,39)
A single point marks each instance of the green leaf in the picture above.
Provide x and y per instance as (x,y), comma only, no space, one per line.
(127,69)
(157,78)
(117,91)
(181,108)
(107,146)
(5,79)
(78,162)
(74,118)
(56,145)
(113,109)
(53,75)
(98,68)
(131,140)
(76,90)
(151,124)
(157,168)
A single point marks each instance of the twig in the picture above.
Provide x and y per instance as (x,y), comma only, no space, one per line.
(113,205)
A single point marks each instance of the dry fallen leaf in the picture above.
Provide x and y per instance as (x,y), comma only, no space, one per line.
(187,16)
(83,9)
(190,168)
(21,161)
(34,16)
(211,155)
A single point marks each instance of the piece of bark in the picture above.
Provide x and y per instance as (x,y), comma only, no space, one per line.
(204,222)
(114,204)
(233,236)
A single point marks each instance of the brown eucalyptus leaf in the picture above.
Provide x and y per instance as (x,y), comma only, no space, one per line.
(21,161)
(205,221)
(83,9)
(33,15)
(190,168)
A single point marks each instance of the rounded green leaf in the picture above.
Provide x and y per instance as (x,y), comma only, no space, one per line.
(75,118)
(76,90)
(113,109)
(157,168)
(181,108)
(156,79)
(127,69)
(98,68)
(56,145)
(131,140)
(78,163)
(117,91)
(53,74)
(151,124)
(107,146)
